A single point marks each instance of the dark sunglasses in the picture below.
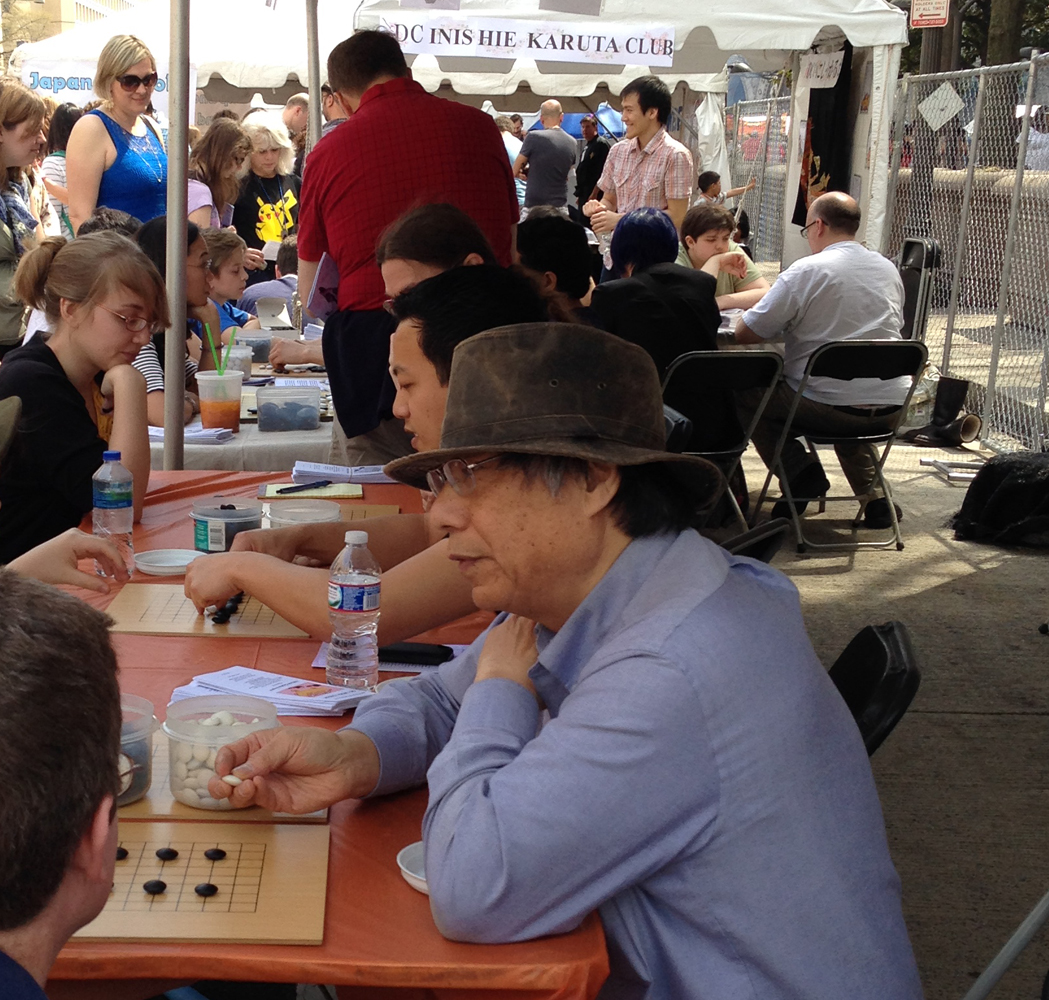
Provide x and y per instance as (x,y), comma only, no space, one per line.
(131,83)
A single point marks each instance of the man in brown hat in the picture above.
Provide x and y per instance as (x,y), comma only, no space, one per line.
(698,780)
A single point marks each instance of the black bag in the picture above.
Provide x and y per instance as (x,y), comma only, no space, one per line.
(1008,502)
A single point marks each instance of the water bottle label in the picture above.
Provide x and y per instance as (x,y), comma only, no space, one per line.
(110,497)
(353,596)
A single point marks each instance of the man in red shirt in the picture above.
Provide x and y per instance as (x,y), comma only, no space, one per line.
(362,177)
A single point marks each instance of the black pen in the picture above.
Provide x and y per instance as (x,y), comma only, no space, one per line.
(304,486)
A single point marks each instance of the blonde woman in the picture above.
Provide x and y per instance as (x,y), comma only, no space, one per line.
(80,394)
(216,166)
(22,117)
(116,156)
(268,206)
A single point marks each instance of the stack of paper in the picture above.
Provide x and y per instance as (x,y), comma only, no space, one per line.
(308,472)
(291,695)
(196,434)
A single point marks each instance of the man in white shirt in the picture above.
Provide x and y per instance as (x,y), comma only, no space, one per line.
(842,292)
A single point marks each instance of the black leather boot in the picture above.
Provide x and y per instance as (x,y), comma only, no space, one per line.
(947,429)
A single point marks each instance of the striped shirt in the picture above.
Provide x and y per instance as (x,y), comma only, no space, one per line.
(148,363)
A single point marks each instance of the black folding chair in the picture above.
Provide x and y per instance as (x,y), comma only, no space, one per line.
(877,674)
(697,382)
(847,360)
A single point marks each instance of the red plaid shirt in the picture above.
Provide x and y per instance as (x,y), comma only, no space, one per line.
(403,147)
(646,178)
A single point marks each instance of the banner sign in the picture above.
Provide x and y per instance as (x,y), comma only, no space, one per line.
(555,41)
(821,69)
(72,80)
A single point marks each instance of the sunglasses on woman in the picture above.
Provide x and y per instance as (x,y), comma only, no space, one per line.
(131,83)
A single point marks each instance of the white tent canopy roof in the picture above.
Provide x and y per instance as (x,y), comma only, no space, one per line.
(251,45)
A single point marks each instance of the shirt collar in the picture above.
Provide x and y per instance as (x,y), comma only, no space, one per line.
(400,85)
(656,142)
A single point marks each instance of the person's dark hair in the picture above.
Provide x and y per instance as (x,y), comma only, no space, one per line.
(62,122)
(558,245)
(453,306)
(651,93)
(643,238)
(706,218)
(226,113)
(649,501)
(440,235)
(743,227)
(840,214)
(110,219)
(517,119)
(288,255)
(153,236)
(363,57)
(706,179)
(60,730)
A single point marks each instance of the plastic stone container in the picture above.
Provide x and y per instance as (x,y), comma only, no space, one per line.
(259,344)
(289,513)
(289,408)
(136,747)
(240,358)
(193,746)
(218,520)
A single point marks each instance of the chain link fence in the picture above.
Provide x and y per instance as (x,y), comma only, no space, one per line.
(756,136)
(970,169)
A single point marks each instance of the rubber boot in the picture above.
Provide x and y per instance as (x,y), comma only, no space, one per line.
(947,429)
(950,398)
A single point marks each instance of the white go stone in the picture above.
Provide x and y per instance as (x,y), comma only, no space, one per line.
(187,797)
(203,777)
(209,722)
(231,779)
(180,769)
(201,753)
(190,782)
(184,752)
(224,718)
(239,723)
(210,764)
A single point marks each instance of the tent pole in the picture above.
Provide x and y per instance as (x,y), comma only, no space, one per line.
(178,156)
(313,55)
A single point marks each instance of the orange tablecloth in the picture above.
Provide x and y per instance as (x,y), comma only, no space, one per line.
(378,934)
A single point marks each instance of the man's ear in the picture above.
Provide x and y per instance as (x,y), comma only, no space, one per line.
(549,280)
(602,483)
(94,855)
(472,258)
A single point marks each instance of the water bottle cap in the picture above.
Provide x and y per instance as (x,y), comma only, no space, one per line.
(356,538)
(111,456)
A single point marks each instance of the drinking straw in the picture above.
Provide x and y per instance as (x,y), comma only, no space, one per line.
(229,347)
(211,344)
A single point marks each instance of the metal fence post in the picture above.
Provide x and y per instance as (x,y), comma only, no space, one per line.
(963,222)
(1010,243)
(898,125)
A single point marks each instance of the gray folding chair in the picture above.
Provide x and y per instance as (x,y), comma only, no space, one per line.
(847,360)
(690,383)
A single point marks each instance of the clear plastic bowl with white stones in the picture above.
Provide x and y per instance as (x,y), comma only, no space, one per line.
(197,728)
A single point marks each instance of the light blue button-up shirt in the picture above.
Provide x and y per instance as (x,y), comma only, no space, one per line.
(700,783)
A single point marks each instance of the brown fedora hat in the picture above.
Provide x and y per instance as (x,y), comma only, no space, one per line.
(555,389)
(10,411)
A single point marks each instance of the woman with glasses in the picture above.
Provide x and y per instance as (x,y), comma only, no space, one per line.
(116,156)
(80,394)
(22,115)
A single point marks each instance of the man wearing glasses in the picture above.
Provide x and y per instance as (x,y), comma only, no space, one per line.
(843,291)
(697,780)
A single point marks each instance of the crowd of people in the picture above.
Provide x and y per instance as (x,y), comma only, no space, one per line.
(621,738)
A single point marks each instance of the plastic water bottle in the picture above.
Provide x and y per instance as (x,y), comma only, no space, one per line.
(113,501)
(353,609)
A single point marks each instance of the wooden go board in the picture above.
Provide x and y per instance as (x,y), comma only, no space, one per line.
(271,884)
(158,803)
(164,609)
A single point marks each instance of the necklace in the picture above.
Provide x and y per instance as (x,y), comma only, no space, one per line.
(278,204)
(141,145)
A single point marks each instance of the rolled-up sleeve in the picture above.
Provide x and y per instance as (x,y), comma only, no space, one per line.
(776,311)
(677,183)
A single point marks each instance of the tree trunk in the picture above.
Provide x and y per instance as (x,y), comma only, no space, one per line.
(1004,33)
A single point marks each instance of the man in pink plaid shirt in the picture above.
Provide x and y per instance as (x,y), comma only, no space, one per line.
(648,169)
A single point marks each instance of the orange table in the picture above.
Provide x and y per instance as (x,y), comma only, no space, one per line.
(379,937)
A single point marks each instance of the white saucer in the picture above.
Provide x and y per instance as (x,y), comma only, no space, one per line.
(413,870)
(165,562)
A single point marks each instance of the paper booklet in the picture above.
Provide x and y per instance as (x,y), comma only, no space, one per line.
(307,472)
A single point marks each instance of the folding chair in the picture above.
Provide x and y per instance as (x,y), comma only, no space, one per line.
(847,360)
(694,380)
(877,674)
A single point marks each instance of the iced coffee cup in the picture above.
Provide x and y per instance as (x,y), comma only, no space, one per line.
(220,399)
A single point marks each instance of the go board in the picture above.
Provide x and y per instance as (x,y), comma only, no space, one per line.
(159,803)
(164,609)
(270,886)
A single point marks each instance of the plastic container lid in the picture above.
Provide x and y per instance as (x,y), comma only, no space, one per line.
(233,509)
(111,456)
(287,513)
(184,718)
(137,718)
(356,538)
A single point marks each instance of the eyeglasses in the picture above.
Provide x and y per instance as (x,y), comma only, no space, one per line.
(457,474)
(130,83)
(134,324)
(805,229)
(206,264)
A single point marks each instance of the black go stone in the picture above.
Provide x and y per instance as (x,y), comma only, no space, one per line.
(206,889)
(155,887)
(167,853)
(121,853)
(215,854)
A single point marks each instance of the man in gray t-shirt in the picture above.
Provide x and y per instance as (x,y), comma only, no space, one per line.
(549,153)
